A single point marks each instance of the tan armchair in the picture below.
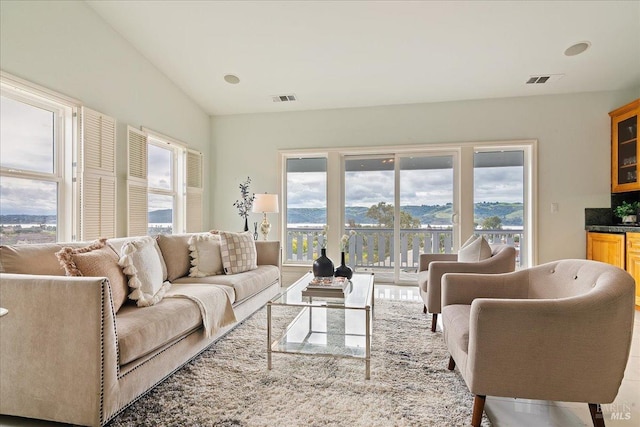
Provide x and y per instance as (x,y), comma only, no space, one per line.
(560,331)
(433,266)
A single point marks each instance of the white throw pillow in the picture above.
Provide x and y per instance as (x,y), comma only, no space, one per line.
(475,249)
(206,258)
(238,252)
(141,260)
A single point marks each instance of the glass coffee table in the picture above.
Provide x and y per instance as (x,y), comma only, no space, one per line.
(325,326)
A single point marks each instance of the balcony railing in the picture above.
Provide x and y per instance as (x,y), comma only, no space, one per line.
(374,247)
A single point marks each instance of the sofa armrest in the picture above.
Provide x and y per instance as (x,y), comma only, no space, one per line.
(464,288)
(559,349)
(426,259)
(57,347)
(268,252)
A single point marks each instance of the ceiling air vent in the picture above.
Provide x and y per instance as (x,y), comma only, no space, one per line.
(284,98)
(547,78)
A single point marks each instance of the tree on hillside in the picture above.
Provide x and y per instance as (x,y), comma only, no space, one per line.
(382,213)
(492,223)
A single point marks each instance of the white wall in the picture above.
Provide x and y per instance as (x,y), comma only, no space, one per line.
(67,47)
(573,132)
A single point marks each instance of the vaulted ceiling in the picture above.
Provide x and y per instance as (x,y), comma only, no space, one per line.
(338,54)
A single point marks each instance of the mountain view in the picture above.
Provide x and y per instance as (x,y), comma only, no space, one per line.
(510,214)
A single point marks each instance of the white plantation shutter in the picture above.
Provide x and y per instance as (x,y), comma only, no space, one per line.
(194,191)
(97,175)
(137,182)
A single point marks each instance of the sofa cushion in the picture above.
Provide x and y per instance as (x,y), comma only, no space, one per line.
(206,258)
(238,252)
(143,330)
(244,284)
(475,249)
(141,260)
(96,260)
(33,259)
(456,320)
(175,251)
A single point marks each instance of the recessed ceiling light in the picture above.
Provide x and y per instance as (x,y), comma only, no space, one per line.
(230,78)
(577,48)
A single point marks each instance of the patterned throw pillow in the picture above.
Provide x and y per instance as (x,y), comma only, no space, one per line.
(142,261)
(238,252)
(206,258)
(96,260)
(475,249)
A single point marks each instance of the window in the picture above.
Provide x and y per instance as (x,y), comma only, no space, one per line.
(34,173)
(164,185)
(498,196)
(406,201)
(162,188)
(306,201)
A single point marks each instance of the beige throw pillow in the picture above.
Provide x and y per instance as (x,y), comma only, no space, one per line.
(238,252)
(206,258)
(142,262)
(475,249)
(96,260)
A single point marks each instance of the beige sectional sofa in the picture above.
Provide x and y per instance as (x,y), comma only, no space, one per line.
(67,356)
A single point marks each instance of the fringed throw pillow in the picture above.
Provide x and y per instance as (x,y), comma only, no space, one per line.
(206,258)
(96,260)
(142,262)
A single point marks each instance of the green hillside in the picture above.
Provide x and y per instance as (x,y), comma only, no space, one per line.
(509,213)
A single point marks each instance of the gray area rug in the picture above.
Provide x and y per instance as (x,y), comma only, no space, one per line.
(229,384)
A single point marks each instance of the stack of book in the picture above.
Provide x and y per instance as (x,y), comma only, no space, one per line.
(328,287)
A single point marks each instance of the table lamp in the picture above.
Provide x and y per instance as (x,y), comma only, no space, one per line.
(265,203)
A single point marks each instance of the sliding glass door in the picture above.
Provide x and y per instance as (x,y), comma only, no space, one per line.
(397,201)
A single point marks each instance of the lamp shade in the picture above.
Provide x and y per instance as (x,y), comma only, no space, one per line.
(265,203)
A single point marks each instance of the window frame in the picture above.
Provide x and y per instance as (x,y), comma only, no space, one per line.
(178,178)
(65,141)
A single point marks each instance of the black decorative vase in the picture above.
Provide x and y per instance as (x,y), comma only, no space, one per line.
(344,270)
(246,224)
(323,266)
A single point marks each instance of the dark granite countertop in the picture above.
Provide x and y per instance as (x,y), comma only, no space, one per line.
(617,228)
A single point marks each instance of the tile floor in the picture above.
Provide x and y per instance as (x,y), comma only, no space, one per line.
(505,412)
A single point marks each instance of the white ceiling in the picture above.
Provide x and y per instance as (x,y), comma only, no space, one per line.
(337,54)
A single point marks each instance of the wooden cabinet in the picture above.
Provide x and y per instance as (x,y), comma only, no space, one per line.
(625,164)
(633,260)
(606,247)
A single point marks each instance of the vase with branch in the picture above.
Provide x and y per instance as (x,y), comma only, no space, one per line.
(343,269)
(245,202)
(323,266)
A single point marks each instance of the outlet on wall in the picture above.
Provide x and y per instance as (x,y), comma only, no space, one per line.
(555,208)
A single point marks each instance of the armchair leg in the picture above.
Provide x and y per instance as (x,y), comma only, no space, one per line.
(478,408)
(596,415)
(424,309)
(452,364)
(434,321)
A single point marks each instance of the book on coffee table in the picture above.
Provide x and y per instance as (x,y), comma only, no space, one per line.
(335,287)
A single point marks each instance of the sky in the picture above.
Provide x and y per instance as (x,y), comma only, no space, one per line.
(26,142)
(417,187)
